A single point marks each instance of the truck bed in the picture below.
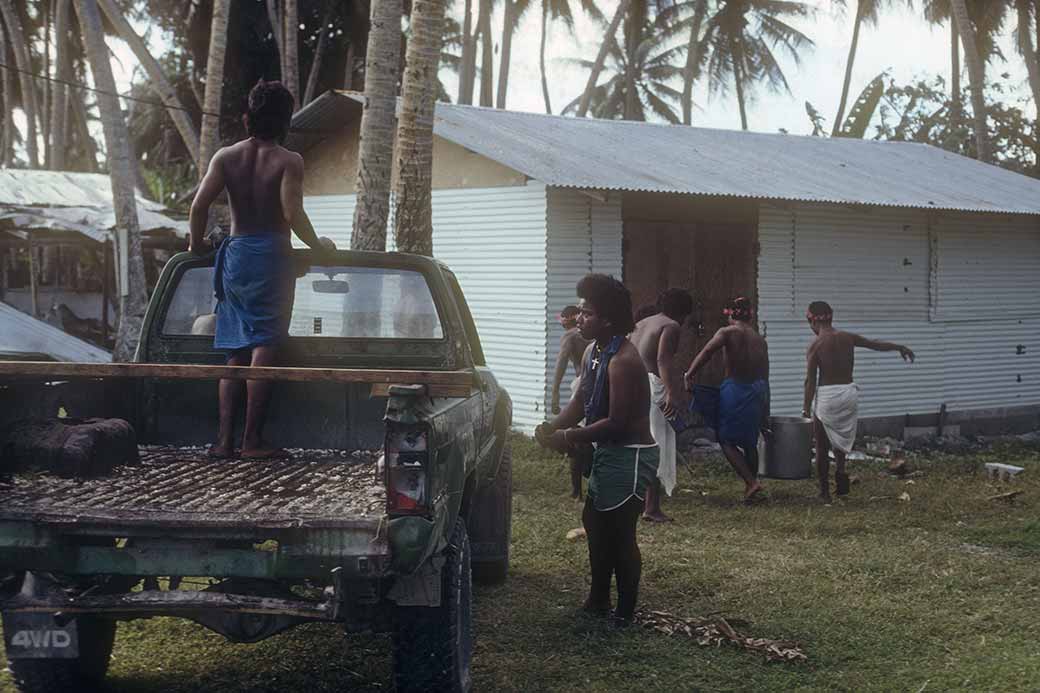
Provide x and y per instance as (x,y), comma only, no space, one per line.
(183,487)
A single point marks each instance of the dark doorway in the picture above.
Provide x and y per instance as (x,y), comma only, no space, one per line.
(715,261)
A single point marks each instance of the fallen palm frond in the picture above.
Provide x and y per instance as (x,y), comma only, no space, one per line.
(715,631)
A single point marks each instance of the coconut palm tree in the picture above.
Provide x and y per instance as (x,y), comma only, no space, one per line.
(7,81)
(639,82)
(156,77)
(413,221)
(688,18)
(487,54)
(291,44)
(1026,11)
(988,18)
(376,151)
(59,101)
(209,141)
(319,57)
(609,39)
(22,61)
(559,10)
(468,65)
(117,151)
(976,76)
(743,35)
(867,12)
(513,12)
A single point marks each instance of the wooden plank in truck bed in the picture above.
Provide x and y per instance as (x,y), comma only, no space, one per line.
(438,383)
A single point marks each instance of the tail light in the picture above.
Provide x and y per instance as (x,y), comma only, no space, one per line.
(405,471)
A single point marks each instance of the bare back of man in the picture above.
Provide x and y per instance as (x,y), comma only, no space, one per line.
(647,339)
(745,353)
(253,173)
(834,352)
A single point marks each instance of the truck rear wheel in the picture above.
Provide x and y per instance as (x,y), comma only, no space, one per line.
(433,646)
(83,673)
(491,523)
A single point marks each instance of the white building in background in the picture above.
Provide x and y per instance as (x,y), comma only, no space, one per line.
(907,242)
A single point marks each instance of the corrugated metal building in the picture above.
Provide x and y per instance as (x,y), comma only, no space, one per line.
(907,242)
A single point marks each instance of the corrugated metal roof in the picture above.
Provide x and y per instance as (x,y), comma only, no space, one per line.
(625,155)
(30,188)
(77,202)
(22,333)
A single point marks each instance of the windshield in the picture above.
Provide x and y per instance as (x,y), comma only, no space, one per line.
(352,302)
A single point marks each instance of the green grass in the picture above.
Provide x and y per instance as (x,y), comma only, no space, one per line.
(937,593)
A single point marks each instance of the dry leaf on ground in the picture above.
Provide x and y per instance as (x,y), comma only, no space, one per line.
(714,631)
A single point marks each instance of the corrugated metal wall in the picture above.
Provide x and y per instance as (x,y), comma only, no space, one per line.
(495,241)
(585,235)
(922,279)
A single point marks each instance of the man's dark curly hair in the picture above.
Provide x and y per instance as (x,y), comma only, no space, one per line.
(675,303)
(269,111)
(611,300)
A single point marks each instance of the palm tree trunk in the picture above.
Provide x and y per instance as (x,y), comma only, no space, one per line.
(291,38)
(376,151)
(541,57)
(508,28)
(413,223)
(1025,46)
(209,140)
(128,238)
(487,55)
(45,86)
(601,57)
(156,78)
(738,79)
(7,81)
(843,101)
(79,113)
(319,55)
(359,26)
(59,100)
(24,65)
(956,107)
(274,16)
(693,60)
(633,29)
(976,77)
(468,66)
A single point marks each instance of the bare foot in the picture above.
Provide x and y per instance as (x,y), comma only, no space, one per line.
(657,516)
(220,452)
(753,490)
(265,453)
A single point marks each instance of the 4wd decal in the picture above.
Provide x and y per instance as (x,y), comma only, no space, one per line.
(38,636)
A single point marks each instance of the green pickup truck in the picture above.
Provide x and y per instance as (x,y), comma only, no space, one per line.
(398,489)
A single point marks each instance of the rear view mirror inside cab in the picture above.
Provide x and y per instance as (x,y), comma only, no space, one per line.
(330,286)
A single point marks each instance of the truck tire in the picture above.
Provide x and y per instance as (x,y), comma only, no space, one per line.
(433,645)
(491,523)
(83,673)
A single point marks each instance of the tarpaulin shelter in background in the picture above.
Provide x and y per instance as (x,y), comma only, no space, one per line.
(56,208)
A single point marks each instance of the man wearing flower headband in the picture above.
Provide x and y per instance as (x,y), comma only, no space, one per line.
(657,339)
(831,395)
(743,399)
(572,346)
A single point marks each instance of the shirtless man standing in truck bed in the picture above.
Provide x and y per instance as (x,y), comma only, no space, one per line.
(254,278)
